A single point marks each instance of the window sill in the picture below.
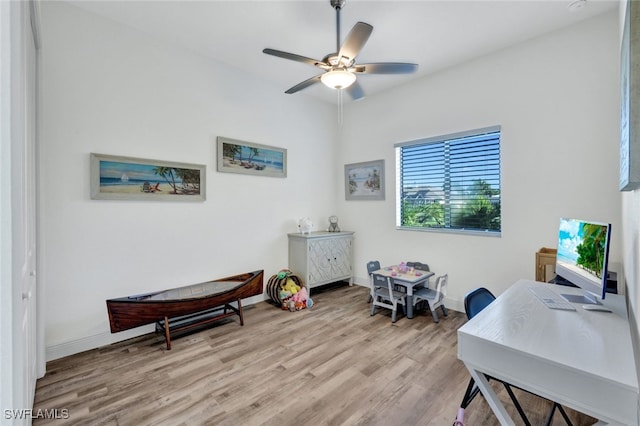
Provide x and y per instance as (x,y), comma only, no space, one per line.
(497,234)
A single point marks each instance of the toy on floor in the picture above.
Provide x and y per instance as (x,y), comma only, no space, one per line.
(291,286)
(300,299)
(288,290)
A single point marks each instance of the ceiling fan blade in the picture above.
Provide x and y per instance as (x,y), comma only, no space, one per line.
(386,68)
(304,84)
(293,57)
(356,38)
(355,91)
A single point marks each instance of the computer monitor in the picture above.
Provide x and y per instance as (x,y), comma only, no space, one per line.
(583,257)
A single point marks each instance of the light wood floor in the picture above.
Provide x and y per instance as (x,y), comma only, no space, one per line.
(332,364)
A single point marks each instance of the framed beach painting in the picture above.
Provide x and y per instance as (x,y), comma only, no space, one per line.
(364,181)
(248,158)
(127,178)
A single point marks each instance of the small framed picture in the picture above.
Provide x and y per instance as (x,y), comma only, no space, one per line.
(127,178)
(364,181)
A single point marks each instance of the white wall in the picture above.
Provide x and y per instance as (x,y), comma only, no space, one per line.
(631,250)
(631,246)
(112,90)
(557,100)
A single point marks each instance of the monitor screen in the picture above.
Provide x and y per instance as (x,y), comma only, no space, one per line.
(583,255)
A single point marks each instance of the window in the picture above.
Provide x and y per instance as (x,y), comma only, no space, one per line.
(450,182)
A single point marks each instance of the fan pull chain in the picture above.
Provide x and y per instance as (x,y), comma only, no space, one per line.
(340,107)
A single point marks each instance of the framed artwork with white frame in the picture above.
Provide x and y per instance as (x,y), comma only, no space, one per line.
(364,181)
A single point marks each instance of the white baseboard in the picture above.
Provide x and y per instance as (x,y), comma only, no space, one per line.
(102,339)
(92,342)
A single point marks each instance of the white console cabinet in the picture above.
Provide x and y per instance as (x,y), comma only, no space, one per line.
(321,257)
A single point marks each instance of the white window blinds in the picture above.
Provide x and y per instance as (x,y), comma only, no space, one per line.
(450,182)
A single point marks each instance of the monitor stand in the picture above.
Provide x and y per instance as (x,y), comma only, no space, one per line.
(585,299)
(561,281)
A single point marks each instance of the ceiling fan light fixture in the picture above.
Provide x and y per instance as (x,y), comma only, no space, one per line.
(338,79)
(340,68)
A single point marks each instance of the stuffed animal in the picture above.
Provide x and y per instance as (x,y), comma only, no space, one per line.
(302,295)
(285,294)
(333,224)
(300,299)
(284,273)
(305,225)
(291,286)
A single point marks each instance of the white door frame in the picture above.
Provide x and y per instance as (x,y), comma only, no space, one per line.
(21,359)
(6,287)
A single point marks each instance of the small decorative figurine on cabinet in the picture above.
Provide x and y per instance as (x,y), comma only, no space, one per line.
(305,225)
(333,224)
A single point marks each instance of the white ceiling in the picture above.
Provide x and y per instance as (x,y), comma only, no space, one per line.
(433,34)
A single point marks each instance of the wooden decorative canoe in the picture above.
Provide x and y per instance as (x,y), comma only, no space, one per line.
(185,307)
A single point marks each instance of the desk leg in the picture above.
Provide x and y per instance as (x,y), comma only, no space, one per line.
(491,397)
(409,305)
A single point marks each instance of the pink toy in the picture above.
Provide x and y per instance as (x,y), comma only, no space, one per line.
(300,296)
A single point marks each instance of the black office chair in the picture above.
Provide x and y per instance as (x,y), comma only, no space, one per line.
(474,302)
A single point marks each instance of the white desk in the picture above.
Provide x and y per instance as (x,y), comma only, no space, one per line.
(580,359)
(408,280)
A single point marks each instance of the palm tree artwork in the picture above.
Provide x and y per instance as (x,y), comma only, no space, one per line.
(138,178)
(188,179)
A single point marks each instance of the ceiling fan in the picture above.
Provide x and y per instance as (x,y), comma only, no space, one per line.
(340,68)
